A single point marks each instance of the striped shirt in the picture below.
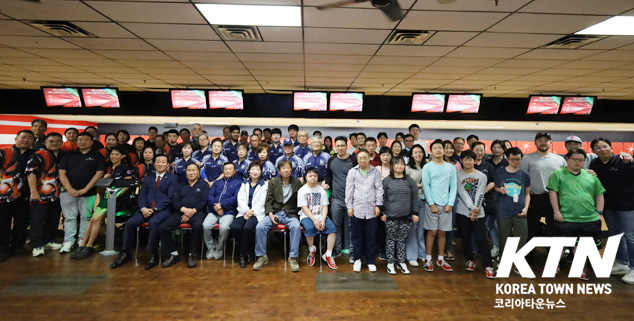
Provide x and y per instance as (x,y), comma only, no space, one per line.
(364,192)
(297,163)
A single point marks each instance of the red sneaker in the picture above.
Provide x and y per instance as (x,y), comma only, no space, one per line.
(330,261)
(429,267)
(470,266)
(444,265)
(490,272)
(310,260)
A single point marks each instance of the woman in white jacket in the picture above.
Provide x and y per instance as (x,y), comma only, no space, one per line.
(251,197)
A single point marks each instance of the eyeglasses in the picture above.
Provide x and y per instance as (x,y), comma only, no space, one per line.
(602,147)
(578,160)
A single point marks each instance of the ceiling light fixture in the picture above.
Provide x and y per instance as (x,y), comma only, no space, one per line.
(251,15)
(615,26)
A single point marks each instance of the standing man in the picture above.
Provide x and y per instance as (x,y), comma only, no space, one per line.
(230,146)
(96,144)
(226,133)
(185,135)
(370,146)
(79,171)
(173,146)
(13,195)
(155,205)
(414,130)
(292,133)
(38,127)
(382,138)
(472,139)
(577,199)
(296,161)
(317,158)
(152,132)
(539,166)
(353,142)
(197,130)
(336,173)
(302,148)
(408,143)
(255,143)
(41,172)
(276,146)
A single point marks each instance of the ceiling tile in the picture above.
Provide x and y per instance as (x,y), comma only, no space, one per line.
(50,10)
(508,71)
(326,48)
(615,55)
(473,5)
(293,34)
(274,65)
(110,43)
(511,40)
(18,61)
(134,54)
(105,29)
(565,54)
(62,53)
(392,68)
(10,52)
(395,60)
(281,47)
(593,64)
(449,38)
(512,63)
(447,21)
(172,31)
(330,73)
(471,62)
(148,12)
(270,57)
(17,28)
(545,23)
(422,51)
(384,75)
(482,52)
(189,45)
(134,63)
(607,7)
(338,35)
(34,42)
(202,56)
(337,59)
(611,43)
(84,62)
(334,67)
(341,18)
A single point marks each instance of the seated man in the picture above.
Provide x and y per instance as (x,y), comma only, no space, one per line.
(313,200)
(155,205)
(281,207)
(190,202)
(222,204)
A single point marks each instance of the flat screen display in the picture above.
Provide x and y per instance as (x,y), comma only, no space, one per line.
(100,97)
(227,99)
(346,102)
(577,105)
(429,103)
(311,101)
(545,105)
(466,104)
(190,99)
(62,97)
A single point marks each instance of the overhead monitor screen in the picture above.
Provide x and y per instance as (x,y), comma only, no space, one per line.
(346,102)
(227,99)
(190,99)
(545,105)
(62,97)
(577,105)
(311,101)
(469,104)
(100,97)
(429,103)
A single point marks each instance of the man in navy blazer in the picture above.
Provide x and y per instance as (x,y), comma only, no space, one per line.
(155,205)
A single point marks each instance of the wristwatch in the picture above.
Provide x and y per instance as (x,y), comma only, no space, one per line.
(600,212)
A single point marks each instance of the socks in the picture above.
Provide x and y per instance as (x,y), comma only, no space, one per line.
(312,249)
(174,253)
(428,258)
(441,258)
(328,253)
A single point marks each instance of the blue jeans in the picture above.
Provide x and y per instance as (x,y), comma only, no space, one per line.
(622,222)
(415,241)
(265,225)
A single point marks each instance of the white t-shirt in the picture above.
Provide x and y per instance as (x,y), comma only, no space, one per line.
(314,198)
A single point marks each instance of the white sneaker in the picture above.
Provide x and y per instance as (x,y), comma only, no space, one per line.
(619,269)
(218,254)
(357,266)
(372,267)
(413,262)
(351,259)
(495,251)
(66,247)
(629,277)
(403,268)
(52,246)
(210,253)
(38,251)
(390,268)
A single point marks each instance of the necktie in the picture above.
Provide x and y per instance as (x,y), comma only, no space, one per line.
(158,180)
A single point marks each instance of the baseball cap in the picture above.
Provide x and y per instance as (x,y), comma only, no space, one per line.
(540,135)
(287,141)
(573,139)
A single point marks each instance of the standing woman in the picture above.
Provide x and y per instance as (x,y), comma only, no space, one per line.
(498,160)
(147,165)
(179,166)
(211,170)
(123,137)
(111,142)
(385,155)
(400,199)
(450,155)
(415,241)
(117,169)
(242,163)
(251,199)
(268,169)
(328,146)
(451,158)
(204,149)
(397,150)
(136,157)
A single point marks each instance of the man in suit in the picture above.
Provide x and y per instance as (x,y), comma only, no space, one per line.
(281,207)
(155,205)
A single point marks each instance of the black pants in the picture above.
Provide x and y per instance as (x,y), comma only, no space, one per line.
(244,233)
(17,213)
(380,236)
(44,222)
(172,222)
(364,239)
(477,228)
(540,207)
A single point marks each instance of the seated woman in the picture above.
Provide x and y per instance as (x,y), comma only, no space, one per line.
(211,168)
(251,197)
(117,169)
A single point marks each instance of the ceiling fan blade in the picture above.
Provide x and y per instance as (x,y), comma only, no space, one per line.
(339,4)
(393,11)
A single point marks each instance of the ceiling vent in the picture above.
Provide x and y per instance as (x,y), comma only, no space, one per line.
(409,37)
(61,28)
(573,41)
(241,33)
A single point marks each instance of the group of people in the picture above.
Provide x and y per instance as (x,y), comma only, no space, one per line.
(367,198)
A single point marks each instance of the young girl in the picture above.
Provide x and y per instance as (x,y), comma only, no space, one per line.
(451,158)
(117,169)
(439,186)
(242,163)
(415,241)
(268,169)
(400,199)
(212,164)
(179,166)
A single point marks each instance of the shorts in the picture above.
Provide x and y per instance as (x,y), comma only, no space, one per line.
(310,230)
(441,221)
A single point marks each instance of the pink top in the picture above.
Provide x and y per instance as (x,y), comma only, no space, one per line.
(384,172)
